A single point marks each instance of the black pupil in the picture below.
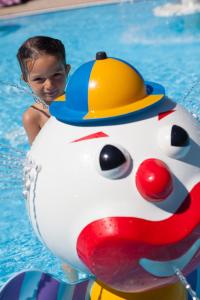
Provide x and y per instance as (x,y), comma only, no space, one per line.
(179,136)
(111,157)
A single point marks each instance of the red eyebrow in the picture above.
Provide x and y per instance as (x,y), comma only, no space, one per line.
(165,113)
(95,135)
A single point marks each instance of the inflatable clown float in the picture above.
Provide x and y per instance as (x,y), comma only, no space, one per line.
(113,188)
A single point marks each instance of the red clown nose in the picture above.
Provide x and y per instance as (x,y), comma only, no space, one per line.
(154,180)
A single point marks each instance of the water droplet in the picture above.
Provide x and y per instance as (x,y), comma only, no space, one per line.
(187,286)
(185,283)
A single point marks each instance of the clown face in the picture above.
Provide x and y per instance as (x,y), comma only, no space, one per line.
(121,201)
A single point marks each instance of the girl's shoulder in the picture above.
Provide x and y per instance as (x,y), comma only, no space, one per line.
(31,115)
(36,112)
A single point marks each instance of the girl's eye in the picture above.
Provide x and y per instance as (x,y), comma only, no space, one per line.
(57,74)
(38,79)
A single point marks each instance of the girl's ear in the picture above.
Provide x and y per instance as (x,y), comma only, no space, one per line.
(23,78)
(67,68)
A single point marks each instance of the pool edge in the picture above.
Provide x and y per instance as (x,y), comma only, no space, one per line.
(55,9)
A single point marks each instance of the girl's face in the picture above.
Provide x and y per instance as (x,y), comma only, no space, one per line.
(47,77)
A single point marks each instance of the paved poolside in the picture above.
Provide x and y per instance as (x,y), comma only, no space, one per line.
(37,6)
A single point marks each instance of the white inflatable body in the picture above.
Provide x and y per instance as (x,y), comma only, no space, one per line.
(70,192)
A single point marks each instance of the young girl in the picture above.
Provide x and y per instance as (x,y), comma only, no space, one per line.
(43,64)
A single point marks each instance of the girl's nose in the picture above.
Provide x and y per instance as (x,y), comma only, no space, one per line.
(154,180)
(48,84)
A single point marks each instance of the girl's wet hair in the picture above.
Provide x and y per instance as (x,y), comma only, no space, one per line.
(39,45)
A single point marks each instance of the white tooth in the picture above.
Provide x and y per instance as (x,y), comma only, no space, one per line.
(28,184)
(25,193)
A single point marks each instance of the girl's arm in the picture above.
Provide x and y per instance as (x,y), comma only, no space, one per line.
(31,124)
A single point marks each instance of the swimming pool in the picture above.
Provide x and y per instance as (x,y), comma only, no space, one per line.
(165,50)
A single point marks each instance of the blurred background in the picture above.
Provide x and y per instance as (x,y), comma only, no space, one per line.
(19,7)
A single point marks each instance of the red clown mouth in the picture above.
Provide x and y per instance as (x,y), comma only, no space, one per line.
(111,247)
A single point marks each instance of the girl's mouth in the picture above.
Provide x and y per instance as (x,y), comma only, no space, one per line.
(52,94)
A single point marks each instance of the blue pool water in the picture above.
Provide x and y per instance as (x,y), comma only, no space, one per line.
(165,50)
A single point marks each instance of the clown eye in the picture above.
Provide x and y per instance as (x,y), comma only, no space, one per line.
(114,162)
(179,137)
(174,140)
(111,157)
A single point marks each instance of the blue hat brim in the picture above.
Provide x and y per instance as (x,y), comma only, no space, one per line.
(63,113)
